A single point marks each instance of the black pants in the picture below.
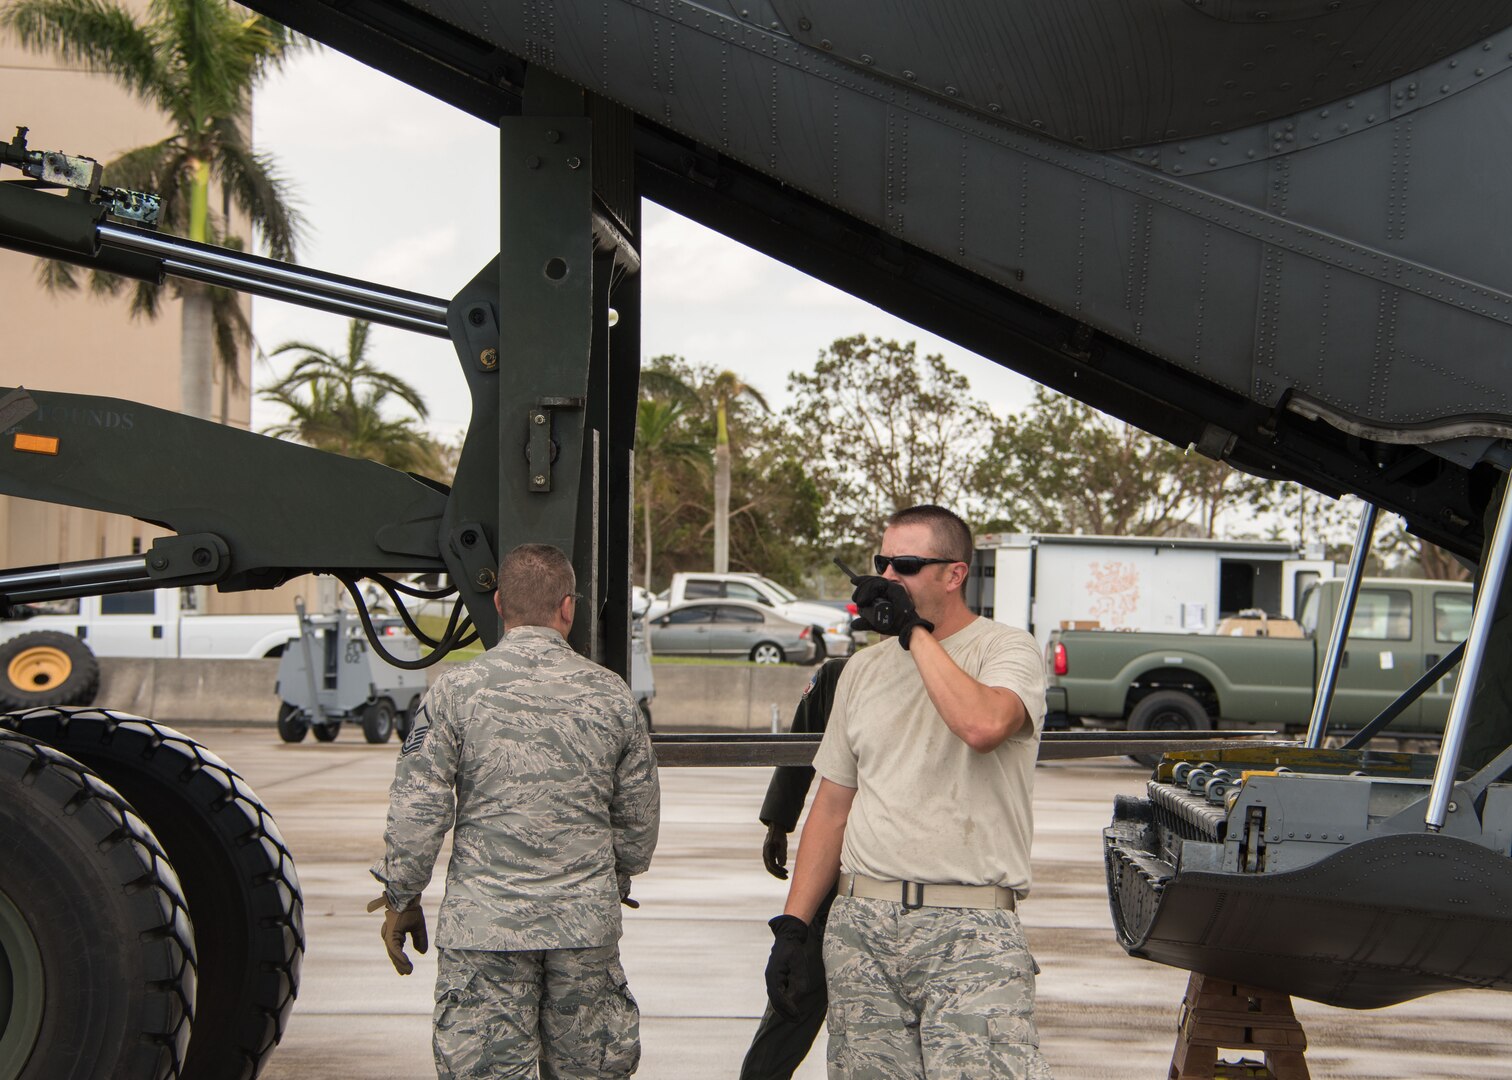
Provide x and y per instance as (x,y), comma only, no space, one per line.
(780,1044)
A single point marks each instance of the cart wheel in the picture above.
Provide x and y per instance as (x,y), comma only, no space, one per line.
(293,725)
(378,721)
(327,731)
(44,667)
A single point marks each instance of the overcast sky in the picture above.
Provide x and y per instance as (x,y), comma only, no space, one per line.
(403,190)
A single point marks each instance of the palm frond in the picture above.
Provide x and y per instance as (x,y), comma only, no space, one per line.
(57,277)
(260,193)
(99,35)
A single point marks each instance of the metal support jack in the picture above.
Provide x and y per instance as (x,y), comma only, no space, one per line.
(1440,803)
(1317,725)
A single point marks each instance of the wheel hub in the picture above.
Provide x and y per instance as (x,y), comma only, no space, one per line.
(39,668)
(21,990)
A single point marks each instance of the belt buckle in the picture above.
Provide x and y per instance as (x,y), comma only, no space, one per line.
(918,893)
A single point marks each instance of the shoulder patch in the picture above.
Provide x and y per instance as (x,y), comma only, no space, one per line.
(416,738)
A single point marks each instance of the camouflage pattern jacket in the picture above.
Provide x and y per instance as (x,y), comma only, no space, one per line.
(541,759)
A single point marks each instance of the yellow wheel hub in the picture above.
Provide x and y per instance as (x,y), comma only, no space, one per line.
(39,668)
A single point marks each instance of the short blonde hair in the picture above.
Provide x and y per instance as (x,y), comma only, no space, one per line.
(952,536)
(533,581)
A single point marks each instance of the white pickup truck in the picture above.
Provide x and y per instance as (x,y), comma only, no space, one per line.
(838,639)
(49,657)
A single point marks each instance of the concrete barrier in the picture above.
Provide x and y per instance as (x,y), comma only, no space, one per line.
(689,697)
(174,691)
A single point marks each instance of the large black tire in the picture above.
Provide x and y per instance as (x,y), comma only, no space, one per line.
(327,731)
(94,928)
(237,874)
(1167,710)
(293,724)
(44,667)
(378,721)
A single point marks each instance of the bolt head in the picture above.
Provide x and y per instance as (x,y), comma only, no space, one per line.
(539,480)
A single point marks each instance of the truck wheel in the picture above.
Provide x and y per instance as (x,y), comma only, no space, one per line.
(378,721)
(94,931)
(327,731)
(293,724)
(45,667)
(1167,710)
(768,652)
(237,876)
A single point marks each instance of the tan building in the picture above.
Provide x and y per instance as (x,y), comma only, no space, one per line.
(88,344)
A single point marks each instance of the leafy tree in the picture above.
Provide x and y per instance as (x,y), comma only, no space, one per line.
(1062,466)
(337,403)
(881,429)
(773,519)
(659,441)
(727,388)
(196,62)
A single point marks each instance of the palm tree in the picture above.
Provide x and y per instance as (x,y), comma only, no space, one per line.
(657,440)
(196,62)
(727,389)
(336,403)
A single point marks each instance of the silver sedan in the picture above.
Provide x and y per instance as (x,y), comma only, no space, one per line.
(732,628)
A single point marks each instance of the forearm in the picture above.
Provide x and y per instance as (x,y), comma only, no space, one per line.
(818,863)
(980,716)
(635,811)
(412,842)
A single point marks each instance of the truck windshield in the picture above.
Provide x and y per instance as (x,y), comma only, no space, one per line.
(787,597)
(1309,616)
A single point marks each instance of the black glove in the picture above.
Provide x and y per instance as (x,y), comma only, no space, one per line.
(774,852)
(624,891)
(787,970)
(886,607)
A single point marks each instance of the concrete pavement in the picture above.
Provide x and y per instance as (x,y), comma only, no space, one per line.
(695,950)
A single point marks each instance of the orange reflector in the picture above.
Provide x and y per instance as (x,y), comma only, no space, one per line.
(37,444)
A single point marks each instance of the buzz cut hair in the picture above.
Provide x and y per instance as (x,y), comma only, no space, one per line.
(533,581)
(952,536)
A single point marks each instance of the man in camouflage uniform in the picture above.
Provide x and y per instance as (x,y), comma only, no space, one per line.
(923,822)
(541,759)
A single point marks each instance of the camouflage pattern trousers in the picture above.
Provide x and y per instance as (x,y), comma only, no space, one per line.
(499,1014)
(936,993)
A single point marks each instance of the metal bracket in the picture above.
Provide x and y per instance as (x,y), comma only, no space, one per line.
(469,543)
(190,559)
(540,448)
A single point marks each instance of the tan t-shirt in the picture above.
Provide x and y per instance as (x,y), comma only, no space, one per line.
(929,808)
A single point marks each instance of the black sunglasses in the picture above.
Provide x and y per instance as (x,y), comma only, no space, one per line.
(905,565)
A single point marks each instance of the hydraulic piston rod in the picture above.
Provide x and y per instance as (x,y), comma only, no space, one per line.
(282,281)
(1317,726)
(34,583)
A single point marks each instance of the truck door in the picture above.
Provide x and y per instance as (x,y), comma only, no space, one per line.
(1382,657)
(1449,624)
(136,624)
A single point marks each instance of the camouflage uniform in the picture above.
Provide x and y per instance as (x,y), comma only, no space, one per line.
(540,762)
(946,993)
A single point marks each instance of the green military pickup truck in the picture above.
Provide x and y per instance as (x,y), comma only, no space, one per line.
(1162,682)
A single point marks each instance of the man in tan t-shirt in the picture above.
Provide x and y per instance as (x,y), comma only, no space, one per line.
(923,814)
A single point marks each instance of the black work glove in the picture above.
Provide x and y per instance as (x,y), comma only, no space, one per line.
(886,607)
(774,852)
(787,970)
(397,925)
